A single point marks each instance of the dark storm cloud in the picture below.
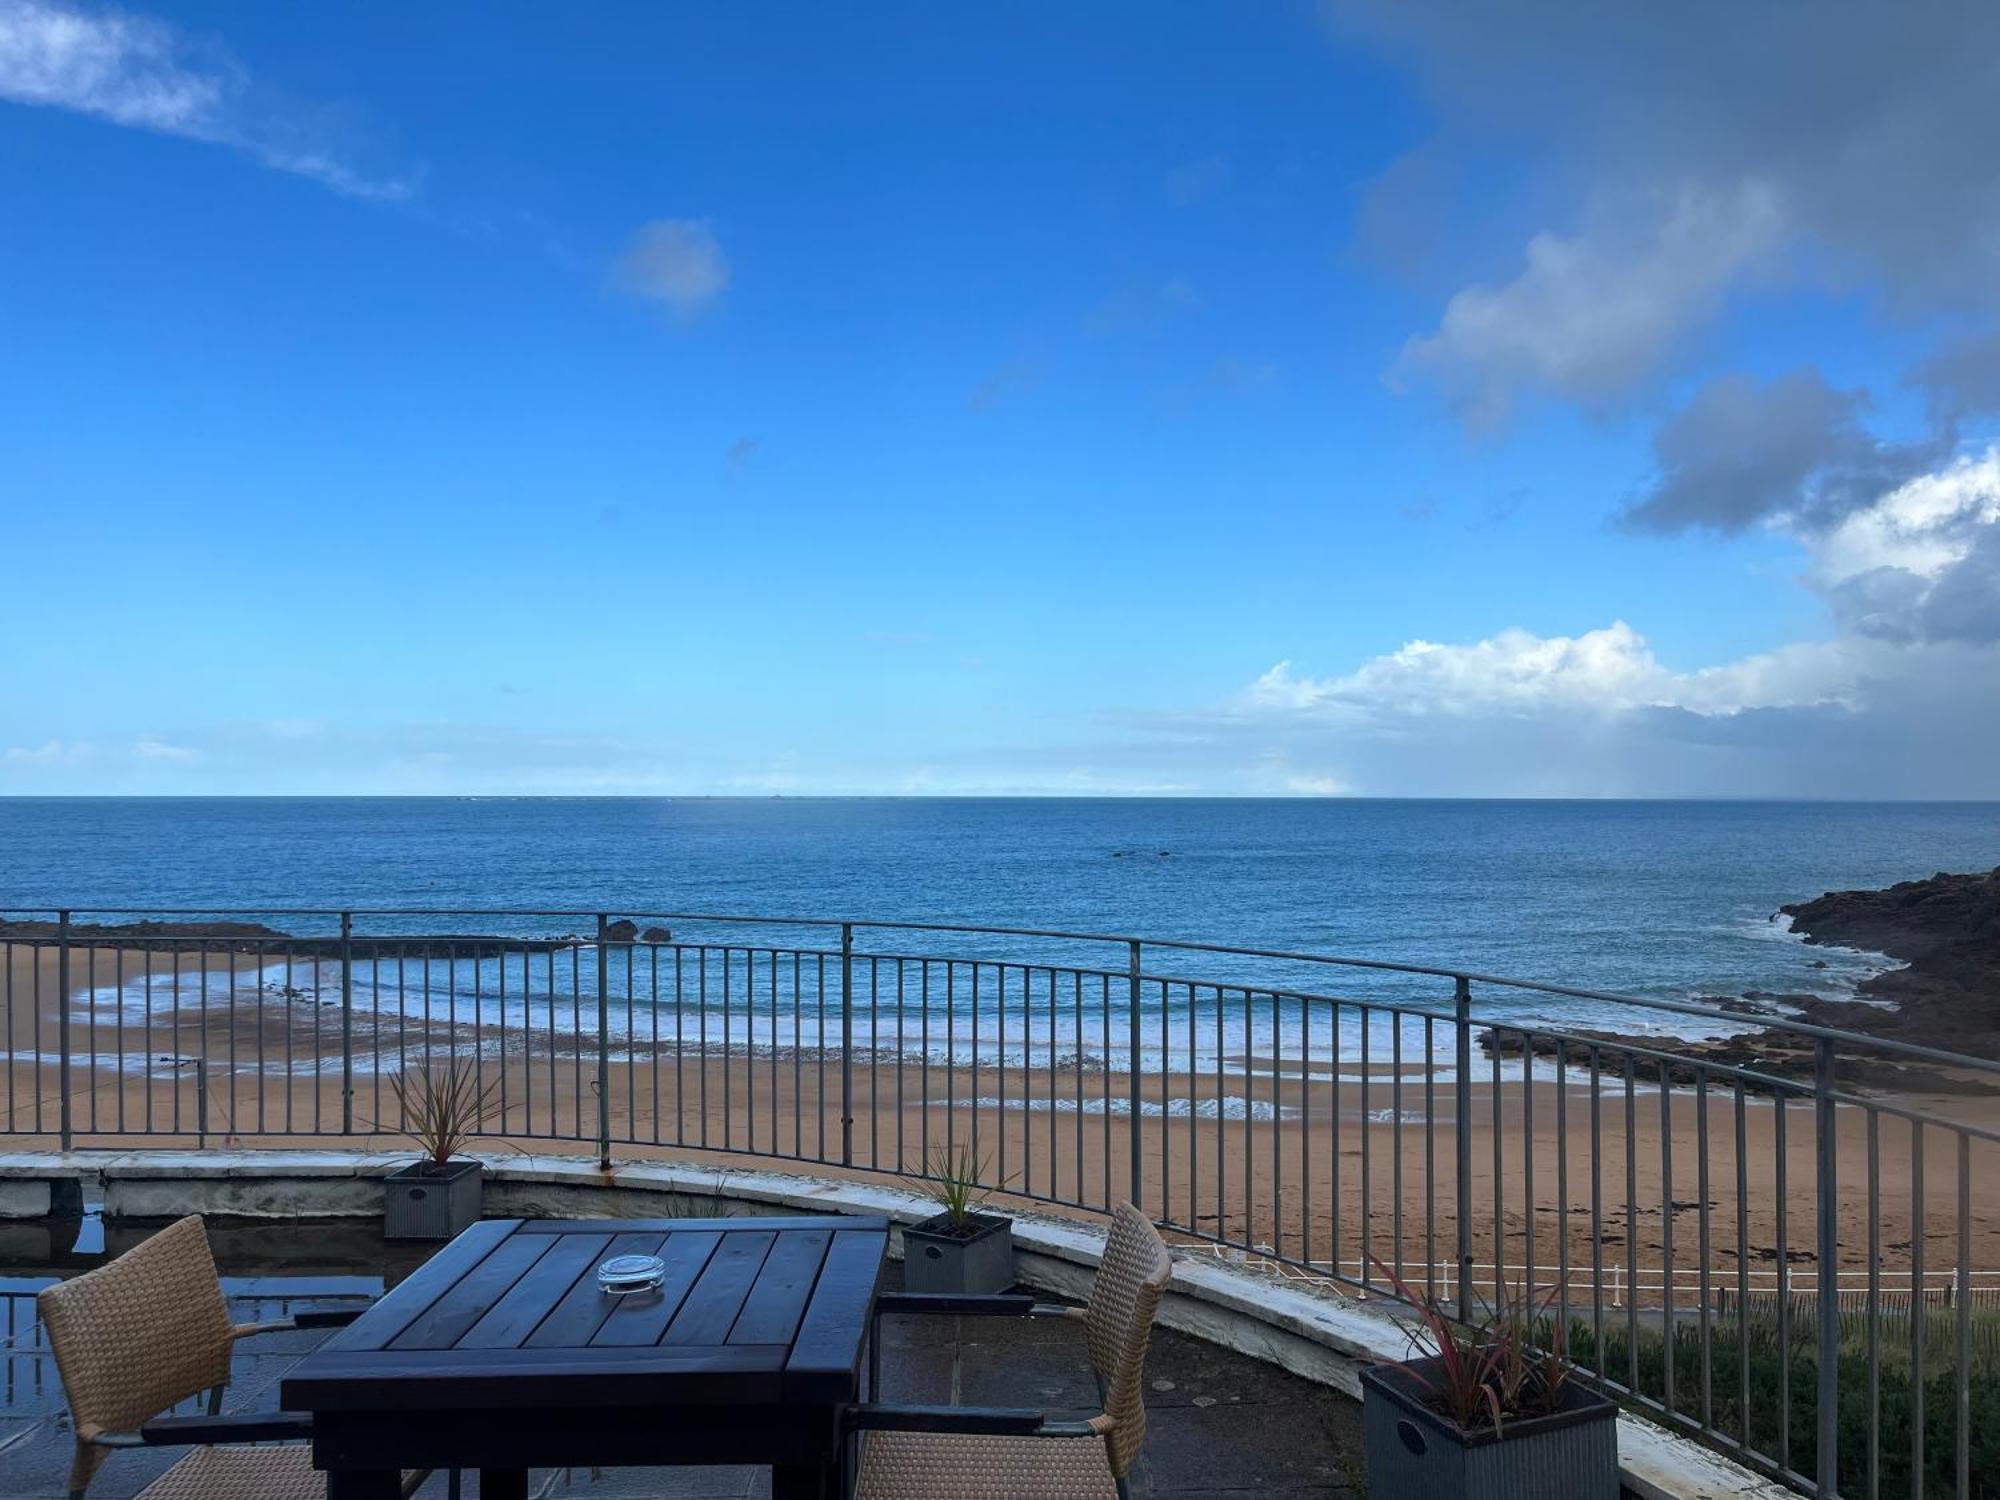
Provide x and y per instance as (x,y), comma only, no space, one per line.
(1963,378)
(1742,451)
(1671,156)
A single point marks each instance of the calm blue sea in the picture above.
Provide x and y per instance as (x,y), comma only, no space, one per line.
(1662,898)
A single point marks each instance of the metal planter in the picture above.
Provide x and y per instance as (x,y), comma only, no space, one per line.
(419,1204)
(1570,1454)
(938,1258)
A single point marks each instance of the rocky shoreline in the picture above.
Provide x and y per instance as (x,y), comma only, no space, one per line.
(1946,932)
(254,939)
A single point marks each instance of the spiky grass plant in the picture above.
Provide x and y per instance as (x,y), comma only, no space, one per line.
(955,1178)
(444,1105)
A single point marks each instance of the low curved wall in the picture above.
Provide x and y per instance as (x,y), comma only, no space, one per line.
(1321,1338)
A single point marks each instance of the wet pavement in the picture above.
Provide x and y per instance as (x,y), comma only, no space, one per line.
(1219,1424)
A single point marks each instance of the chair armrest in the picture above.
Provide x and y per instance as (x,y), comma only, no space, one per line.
(954,1304)
(964,1421)
(969,1304)
(236,1427)
(311,1317)
(327,1317)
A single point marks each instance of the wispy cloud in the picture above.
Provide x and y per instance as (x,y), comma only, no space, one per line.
(135,71)
(1015,377)
(1143,304)
(1200,178)
(677,262)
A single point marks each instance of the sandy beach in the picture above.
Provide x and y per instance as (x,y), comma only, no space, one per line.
(1321,1172)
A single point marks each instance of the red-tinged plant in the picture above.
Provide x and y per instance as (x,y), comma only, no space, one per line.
(1467,1385)
(1531,1378)
(1490,1370)
(444,1107)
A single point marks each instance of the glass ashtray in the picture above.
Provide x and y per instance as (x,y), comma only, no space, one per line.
(624,1274)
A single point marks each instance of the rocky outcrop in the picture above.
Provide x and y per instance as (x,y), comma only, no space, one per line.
(1944,921)
(1946,930)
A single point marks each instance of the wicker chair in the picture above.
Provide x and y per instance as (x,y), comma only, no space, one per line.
(146,1332)
(922,1452)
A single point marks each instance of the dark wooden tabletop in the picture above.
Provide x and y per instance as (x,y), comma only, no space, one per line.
(752,1312)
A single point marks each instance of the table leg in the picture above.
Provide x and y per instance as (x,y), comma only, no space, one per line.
(374,1484)
(503,1484)
(806,1481)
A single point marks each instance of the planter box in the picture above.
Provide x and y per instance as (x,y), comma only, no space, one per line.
(418,1204)
(1570,1454)
(938,1258)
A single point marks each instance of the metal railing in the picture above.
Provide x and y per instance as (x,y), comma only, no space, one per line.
(1678,1203)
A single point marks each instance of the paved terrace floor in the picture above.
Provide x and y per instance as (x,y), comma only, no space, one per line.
(1219,1424)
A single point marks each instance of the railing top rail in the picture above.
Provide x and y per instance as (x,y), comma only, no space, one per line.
(1687,1008)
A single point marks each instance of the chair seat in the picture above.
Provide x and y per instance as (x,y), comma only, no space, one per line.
(927,1465)
(241,1472)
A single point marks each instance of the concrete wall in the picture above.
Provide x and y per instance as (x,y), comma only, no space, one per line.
(1319,1337)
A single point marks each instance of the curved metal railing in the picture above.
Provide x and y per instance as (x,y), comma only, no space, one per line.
(1705,1226)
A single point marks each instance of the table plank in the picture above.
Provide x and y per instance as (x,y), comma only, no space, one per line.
(441,1324)
(825,1363)
(573,1321)
(712,1305)
(777,1300)
(406,1302)
(642,1317)
(517,1314)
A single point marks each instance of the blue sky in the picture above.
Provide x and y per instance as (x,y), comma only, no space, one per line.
(504,398)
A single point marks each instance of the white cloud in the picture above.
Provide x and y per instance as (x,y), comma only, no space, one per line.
(1518,673)
(1922,527)
(1922,563)
(675,261)
(49,752)
(1316,786)
(135,71)
(121,68)
(1903,700)
(1592,315)
(150,747)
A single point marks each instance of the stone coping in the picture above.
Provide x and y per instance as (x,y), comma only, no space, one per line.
(1320,1337)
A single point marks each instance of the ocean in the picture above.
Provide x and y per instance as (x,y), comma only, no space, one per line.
(1663,899)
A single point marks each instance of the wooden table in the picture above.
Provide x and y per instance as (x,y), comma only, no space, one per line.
(500,1353)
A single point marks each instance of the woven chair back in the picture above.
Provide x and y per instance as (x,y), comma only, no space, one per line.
(1118,1322)
(136,1336)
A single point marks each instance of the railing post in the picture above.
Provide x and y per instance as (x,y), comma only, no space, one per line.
(62,1026)
(1829,1253)
(847,1044)
(604,1042)
(1462,1141)
(347,1023)
(1132,1103)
